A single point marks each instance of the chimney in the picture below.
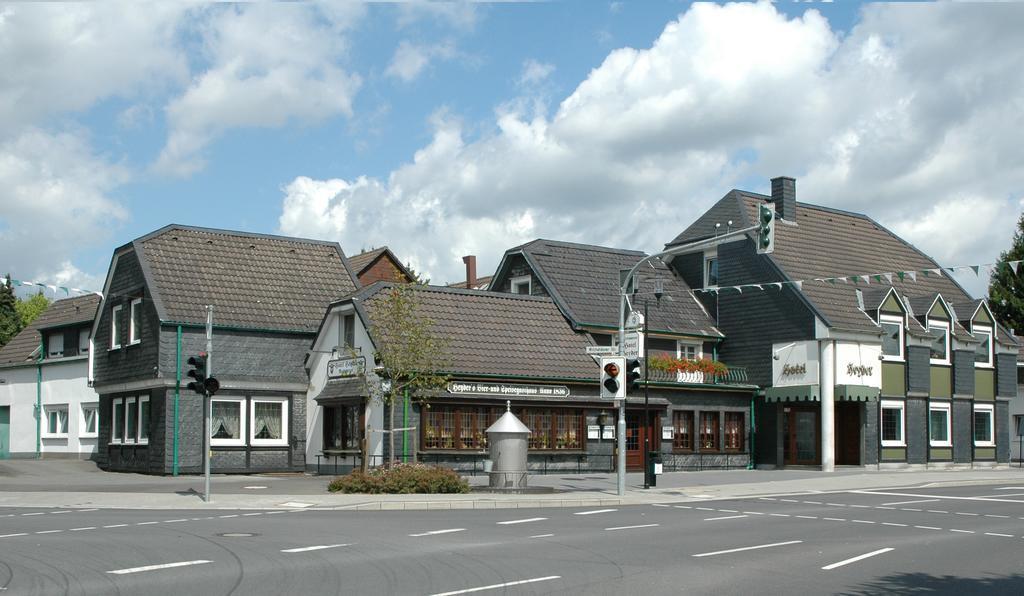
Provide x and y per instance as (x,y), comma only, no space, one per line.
(784,197)
(470,261)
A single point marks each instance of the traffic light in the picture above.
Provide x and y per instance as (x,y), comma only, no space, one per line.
(611,384)
(765,229)
(633,374)
(198,373)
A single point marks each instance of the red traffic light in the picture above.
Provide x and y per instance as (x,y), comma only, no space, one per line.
(611,369)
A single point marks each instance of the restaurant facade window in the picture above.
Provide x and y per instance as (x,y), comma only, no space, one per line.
(709,431)
(464,427)
(342,430)
(734,431)
(682,439)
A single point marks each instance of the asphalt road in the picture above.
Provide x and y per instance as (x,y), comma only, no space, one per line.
(949,540)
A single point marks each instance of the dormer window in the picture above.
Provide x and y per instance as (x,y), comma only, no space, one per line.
(135,323)
(115,327)
(83,341)
(983,353)
(522,285)
(711,269)
(55,345)
(892,340)
(939,331)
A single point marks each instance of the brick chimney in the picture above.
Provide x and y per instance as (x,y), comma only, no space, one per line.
(470,261)
(784,197)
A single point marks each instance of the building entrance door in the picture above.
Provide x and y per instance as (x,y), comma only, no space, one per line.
(5,432)
(847,435)
(801,435)
(635,433)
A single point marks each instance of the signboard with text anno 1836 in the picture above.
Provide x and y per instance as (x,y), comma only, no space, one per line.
(346,367)
(507,389)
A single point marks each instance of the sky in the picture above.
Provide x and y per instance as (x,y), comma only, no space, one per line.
(447,129)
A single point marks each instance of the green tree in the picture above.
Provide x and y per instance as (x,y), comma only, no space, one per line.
(1005,288)
(417,277)
(29,309)
(410,357)
(10,323)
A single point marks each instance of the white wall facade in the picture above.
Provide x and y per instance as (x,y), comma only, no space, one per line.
(63,385)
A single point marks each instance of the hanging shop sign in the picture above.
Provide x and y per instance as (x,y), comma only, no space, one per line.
(346,367)
(507,389)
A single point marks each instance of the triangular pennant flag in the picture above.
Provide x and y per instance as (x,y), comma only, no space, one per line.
(1014,265)
(843,279)
(758,286)
(975,269)
(855,279)
(888,277)
(900,275)
(799,284)
(913,275)
(777,285)
(927,273)
(877,278)
(53,289)
(66,292)
(949,271)
(937,272)
(866,279)
(832,281)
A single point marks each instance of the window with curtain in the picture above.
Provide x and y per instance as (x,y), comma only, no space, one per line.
(269,421)
(117,420)
(226,422)
(709,431)
(464,427)
(683,438)
(735,429)
(131,419)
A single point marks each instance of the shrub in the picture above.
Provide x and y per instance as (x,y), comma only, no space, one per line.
(401,479)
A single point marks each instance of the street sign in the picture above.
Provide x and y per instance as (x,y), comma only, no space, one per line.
(602,350)
(633,347)
(634,320)
(346,367)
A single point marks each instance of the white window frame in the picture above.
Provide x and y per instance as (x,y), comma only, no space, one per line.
(242,423)
(893,405)
(283,441)
(138,421)
(986,330)
(115,422)
(130,439)
(947,408)
(83,342)
(710,255)
(57,409)
(944,326)
(133,333)
(50,337)
(115,331)
(991,424)
(84,421)
(518,281)
(897,320)
(698,349)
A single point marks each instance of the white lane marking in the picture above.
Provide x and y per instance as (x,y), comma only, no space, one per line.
(767,499)
(116,526)
(962,513)
(156,567)
(705,509)
(745,548)
(37,513)
(779,514)
(631,527)
(725,517)
(149,523)
(912,502)
(909,509)
(881,507)
(436,532)
(227,516)
(998,534)
(174,521)
(888,494)
(927,528)
(962,531)
(753,513)
(253,487)
(512,522)
(659,505)
(59,512)
(49,531)
(836,504)
(682,507)
(594,511)
(857,558)
(994,515)
(13,535)
(728,511)
(496,586)
(306,549)
(1001,495)
(833,519)
(937,511)
(1010,488)
(806,517)
(542,536)
(80,529)
(84,510)
(275,512)
(894,524)
(861,521)
(861,506)
(250,514)
(789,500)
(813,502)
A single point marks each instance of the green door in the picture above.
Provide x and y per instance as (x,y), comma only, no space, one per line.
(5,431)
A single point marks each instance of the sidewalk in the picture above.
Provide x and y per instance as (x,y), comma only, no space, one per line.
(45,483)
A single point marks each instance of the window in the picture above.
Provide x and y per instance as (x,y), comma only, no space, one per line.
(522,285)
(115,327)
(227,424)
(892,424)
(349,329)
(341,428)
(940,341)
(939,425)
(131,419)
(892,340)
(90,420)
(143,427)
(984,433)
(55,344)
(1018,425)
(56,421)
(269,422)
(709,431)
(83,341)
(711,271)
(135,324)
(683,439)
(983,353)
(734,431)
(463,427)
(117,420)
(689,351)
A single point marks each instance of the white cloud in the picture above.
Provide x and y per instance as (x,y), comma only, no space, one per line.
(54,201)
(410,60)
(460,15)
(270,64)
(908,117)
(535,72)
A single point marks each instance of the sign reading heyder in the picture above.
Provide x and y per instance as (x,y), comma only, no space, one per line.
(507,389)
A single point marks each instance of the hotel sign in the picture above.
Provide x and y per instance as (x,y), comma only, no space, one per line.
(346,367)
(507,389)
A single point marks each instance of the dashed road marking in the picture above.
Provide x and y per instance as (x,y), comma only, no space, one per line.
(855,559)
(998,534)
(746,548)
(778,515)
(305,549)
(49,531)
(13,535)
(116,526)
(157,567)
(631,527)
(806,516)
(895,525)
(80,529)
(838,519)
(542,536)
(724,517)
(149,523)
(861,521)
(927,528)
(912,502)
(504,585)
(962,531)
(437,532)
(595,511)
(512,522)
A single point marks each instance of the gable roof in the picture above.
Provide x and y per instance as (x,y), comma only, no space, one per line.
(495,334)
(362,261)
(254,281)
(482,283)
(68,311)
(583,280)
(822,243)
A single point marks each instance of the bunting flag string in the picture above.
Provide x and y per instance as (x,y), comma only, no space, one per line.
(52,287)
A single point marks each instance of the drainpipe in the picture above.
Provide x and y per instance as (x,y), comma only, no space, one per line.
(39,400)
(405,425)
(177,394)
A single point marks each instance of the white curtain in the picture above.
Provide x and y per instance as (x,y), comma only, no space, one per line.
(225,420)
(268,420)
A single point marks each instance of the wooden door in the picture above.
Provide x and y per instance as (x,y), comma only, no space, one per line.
(847,437)
(801,434)
(635,434)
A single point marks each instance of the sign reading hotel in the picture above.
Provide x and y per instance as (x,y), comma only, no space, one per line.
(346,367)
(507,389)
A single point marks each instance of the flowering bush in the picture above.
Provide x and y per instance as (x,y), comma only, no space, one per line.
(669,364)
(401,479)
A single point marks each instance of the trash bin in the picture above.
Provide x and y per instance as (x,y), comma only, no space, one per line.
(654,463)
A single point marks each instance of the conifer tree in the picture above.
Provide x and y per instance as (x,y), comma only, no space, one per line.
(1006,287)
(10,322)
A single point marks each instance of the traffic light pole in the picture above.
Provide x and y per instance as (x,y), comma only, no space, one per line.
(207,402)
(677,249)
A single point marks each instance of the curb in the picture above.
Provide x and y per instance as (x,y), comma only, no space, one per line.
(444,505)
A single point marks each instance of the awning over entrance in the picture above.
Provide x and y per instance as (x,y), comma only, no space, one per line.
(812,393)
(343,391)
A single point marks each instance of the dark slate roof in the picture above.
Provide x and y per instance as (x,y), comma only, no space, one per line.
(584,281)
(69,311)
(873,297)
(826,242)
(491,333)
(253,281)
